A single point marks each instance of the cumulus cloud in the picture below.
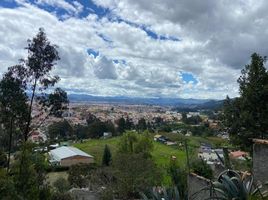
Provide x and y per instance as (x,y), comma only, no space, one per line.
(74,8)
(214,44)
(104,68)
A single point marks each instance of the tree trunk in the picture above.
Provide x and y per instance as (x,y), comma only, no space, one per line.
(10,143)
(26,132)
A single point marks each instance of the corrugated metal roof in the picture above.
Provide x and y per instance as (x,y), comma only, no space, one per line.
(65,152)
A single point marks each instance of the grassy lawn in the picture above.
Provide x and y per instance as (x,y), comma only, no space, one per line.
(95,147)
(161,153)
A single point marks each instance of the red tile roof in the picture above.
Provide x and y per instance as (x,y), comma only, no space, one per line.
(237,154)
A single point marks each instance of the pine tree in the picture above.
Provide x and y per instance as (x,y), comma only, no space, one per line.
(246,116)
(107,156)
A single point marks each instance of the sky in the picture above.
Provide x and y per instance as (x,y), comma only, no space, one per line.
(138,48)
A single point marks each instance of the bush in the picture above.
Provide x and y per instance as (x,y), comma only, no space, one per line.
(62,185)
(3,159)
(201,168)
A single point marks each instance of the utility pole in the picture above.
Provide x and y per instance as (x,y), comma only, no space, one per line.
(187,155)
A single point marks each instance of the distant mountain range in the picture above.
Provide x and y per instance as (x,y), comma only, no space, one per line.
(176,102)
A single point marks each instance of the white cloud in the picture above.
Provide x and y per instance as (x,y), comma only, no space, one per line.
(74,8)
(215,44)
(104,68)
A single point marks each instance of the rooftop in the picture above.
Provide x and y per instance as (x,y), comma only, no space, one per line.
(65,152)
(260,141)
(236,154)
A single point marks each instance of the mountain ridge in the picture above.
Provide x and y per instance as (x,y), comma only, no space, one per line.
(163,101)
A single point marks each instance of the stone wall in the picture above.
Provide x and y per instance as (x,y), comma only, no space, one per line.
(195,184)
(260,160)
(83,194)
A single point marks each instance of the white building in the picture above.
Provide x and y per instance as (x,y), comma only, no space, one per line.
(67,156)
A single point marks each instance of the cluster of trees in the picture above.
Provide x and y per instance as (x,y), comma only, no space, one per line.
(193,120)
(64,130)
(27,177)
(246,116)
(121,174)
(24,106)
(127,124)
(95,128)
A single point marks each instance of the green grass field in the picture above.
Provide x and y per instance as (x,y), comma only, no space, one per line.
(161,153)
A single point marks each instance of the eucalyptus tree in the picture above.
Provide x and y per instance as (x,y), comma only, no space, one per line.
(36,79)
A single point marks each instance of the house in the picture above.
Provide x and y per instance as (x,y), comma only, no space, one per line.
(107,135)
(53,146)
(211,156)
(67,156)
(37,137)
(238,155)
(160,138)
(156,137)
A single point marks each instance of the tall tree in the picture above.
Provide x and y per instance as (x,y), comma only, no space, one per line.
(34,72)
(142,124)
(13,106)
(133,143)
(121,125)
(129,124)
(107,156)
(246,116)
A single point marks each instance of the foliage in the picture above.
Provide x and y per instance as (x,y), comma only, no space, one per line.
(201,130)
(193,120)
(34,74)
(246,116)
(103,178)
(3,159)
(132,176)
(121,125)
(81,132)
(132,142)
(179,178)
(201,168)
(230,185)
(162,194)
(107,156)
(62,185)
(61,129)
(7,188)
(129,124)
(13,107)
(142,126)
(29,173)
(160,153)
(79,175)
(97,128)
(90,118)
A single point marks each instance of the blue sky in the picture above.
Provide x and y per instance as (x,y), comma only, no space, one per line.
(170,48)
